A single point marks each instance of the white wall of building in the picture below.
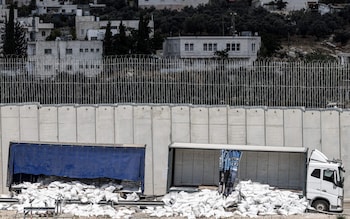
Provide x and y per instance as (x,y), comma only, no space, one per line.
(160,125)
(242,47)
(171,4)
(72,56)
(55,7)
(292,5)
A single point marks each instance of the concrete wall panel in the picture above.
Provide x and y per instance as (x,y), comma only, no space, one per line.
(218,125)
(236,119)
(10,131)
(274,127)
(161,119)
(124,124)
(345,148)
(29,130)
(312,129)
(199,124)
(293,127)
(256,126)
(48,124)
(86,124)
(105,124)
(143,135)
(67,124)
(330,133)
(180,124)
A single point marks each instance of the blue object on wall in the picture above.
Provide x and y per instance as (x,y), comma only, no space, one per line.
(77,161)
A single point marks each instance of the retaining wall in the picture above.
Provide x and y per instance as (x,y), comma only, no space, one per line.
(157,126)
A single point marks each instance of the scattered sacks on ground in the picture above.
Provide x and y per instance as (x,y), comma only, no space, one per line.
(252,199)
(249,199)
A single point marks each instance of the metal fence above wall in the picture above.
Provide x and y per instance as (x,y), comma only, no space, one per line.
(178,81)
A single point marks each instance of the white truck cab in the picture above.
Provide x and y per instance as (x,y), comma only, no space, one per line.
(324,185)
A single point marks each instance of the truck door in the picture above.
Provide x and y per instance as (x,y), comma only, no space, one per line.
(329,188)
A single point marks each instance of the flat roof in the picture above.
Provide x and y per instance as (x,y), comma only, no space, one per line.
(238,147)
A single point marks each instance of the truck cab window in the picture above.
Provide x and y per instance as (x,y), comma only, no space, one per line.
(316,173)
(328,175)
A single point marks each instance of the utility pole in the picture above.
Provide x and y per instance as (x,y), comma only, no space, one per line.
(233,27)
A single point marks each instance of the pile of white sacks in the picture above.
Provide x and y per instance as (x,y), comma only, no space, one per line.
(252,199)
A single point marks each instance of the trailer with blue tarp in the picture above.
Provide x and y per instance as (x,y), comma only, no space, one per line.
(72,160)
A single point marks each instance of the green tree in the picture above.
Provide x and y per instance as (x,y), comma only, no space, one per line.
(107,41)
(281,4)
(222,54)
(9,41)
(20,40)
(269,45)
(53,35)
(121,41)
(142,38)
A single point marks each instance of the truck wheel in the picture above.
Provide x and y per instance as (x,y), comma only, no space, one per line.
(320,205)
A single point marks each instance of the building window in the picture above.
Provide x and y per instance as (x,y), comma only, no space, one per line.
(228,46)
(97,50)
(69,51)
(92,50)
(253,47)
(238,46)
(86,50)
(82,31)
(215,47)
(81,50)
(191,46)
(43,33)
(210,47)
(47,67)
(47,51)
(205,47)
(187,47)
(233,47)
(93,38)
(69,67)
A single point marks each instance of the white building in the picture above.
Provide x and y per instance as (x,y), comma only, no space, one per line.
(238,47)
(73,57)
(56,7)
(344,58)
(293,5)
(170,4)
(84,25)
(35,29)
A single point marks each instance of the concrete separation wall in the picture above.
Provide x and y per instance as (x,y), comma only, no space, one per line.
(158,126)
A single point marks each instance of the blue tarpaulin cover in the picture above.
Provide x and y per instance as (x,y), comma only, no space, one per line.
(77,161)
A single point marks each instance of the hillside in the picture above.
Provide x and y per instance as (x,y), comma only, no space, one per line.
(298,46)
